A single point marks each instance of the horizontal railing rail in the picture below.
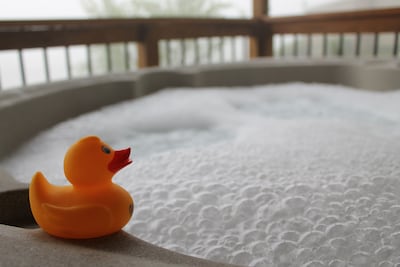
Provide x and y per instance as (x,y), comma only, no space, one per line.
(147,34)
(383,20)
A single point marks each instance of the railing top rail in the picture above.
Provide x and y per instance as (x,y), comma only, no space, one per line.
(357,14)
(4,24)
(377,20)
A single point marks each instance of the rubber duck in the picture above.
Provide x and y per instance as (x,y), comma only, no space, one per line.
(93,206)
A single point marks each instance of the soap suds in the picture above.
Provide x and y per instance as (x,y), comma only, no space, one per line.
(278,175)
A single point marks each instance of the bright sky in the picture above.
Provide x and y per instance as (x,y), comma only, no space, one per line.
(28,9)
(55,9)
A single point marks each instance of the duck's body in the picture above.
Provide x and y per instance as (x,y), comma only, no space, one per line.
(88,208)
(72,213)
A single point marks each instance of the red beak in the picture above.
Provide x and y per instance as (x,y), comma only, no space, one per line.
(120,160)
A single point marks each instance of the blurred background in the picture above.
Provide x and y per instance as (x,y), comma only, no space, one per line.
(234,48)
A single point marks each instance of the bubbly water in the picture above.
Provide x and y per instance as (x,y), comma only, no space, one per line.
(278,175)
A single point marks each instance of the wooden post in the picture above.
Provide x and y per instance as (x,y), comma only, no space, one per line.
(148,55)
(260,8)
(261,43)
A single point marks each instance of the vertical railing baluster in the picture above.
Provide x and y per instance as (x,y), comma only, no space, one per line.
(282,45)
(325,45)
(196,51)
(340,48)
(396,46)
(108,54)
(183,51)
(68,62)
(127,57)
(221,49)
(22,67)
(309,45)
(296,45)
(233,48)
(209,50)
(358,44)
(89,59)
(168,44)
(46,64)
(376,44)
(1,86)
(245,54)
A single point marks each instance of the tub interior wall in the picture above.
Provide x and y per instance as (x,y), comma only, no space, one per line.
(25,112)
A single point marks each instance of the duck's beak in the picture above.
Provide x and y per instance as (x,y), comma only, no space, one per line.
(120,160)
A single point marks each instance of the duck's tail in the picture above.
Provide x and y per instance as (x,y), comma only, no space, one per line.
(37,191)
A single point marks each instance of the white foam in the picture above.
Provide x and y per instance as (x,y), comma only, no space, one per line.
(281,175)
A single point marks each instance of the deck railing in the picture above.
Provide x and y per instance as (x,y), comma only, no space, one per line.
(357,25)
(310,35)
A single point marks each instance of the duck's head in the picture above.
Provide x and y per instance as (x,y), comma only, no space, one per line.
(91,162)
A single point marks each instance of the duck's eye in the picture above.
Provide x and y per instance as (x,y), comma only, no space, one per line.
(106,149)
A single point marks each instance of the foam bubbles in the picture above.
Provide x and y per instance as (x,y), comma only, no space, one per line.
(282,175)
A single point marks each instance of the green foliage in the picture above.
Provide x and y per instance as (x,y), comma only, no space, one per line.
(155,8)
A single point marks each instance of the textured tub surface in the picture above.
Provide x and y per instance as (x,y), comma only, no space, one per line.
(23,247)
(286,175)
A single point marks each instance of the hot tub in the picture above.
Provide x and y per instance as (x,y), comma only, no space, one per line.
(308,238)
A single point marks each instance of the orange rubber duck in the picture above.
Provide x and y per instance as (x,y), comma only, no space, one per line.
(93,206)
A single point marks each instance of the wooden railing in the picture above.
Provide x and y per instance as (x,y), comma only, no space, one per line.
(146,32)
(264,33)
(369,21)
